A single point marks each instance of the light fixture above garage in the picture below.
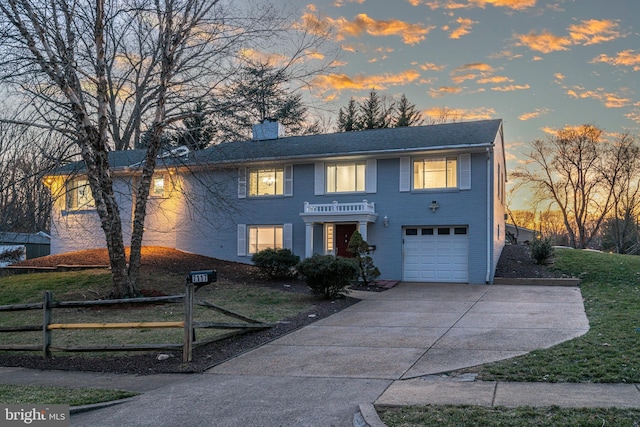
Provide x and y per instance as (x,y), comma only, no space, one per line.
(434,205)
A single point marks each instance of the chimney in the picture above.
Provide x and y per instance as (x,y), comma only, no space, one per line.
(268,129)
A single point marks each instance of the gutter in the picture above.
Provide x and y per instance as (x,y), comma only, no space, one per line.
(489,216)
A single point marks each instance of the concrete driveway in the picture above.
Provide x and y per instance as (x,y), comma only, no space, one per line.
(318,375)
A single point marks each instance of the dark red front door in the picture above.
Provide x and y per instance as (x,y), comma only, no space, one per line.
(343,235)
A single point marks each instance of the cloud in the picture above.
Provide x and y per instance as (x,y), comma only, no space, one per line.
(480,113)
(362,23)
(495,80)
(534,114)
(340,3)
(587,32)
(626,58)
(453,4)
(510,88)
(545,42)
(339,81)
(444,90)
(594,31)
(609,99)
(634,116)
(463,29)
(430,66)
(505,54)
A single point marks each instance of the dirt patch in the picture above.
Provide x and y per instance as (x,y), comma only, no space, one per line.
(516,262)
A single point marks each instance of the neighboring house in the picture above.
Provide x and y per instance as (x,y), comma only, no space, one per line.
(35,244)
(429,199)
(519,235)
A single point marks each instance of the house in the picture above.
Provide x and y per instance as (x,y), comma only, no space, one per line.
(519,235)
(34,244)
(430,200)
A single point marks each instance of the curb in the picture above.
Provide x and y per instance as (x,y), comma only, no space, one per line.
(91,407)
(367,416)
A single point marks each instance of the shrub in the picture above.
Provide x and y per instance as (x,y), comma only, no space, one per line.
(12,254)
(328,276)
(276,263)
(367,271)
(541,251)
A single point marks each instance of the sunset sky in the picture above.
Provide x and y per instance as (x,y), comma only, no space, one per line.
(539,65)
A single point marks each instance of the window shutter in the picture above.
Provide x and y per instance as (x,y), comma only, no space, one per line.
(405,173)
(287,238)
(242,183)
(464,164)
(242,239)
(319,179)
(371,176)
(288,180)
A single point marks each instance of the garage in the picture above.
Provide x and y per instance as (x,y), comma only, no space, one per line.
(435,254)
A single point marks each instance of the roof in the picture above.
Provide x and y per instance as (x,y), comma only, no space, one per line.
(476,134)
(37,238)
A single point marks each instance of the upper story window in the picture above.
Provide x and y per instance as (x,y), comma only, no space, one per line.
(79,195)
(266,182)
(345,177)
(435,173)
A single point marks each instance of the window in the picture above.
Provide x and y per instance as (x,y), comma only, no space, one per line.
(157,186)
(264,237)
(79,195)
(435,173)
(346,177)
(266,182)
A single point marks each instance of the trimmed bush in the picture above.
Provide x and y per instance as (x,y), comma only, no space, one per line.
(367,271)
(328,276)
(276,263)
(541,251)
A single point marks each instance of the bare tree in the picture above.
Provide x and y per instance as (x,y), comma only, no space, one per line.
(568,171)
(622,175)
(104,72)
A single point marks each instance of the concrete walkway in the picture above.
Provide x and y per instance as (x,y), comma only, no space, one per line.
(383,350)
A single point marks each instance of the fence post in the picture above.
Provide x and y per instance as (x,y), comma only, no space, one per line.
(189,297)
(46,320)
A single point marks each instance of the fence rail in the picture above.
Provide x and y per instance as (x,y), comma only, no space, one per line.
(189,325)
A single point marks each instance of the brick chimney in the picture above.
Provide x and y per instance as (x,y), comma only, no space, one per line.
(268,129)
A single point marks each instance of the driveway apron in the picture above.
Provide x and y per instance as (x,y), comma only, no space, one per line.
(318,375)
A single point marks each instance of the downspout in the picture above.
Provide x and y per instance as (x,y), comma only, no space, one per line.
(489,215)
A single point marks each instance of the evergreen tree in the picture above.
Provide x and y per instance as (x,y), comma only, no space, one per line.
(349,119)
(198,130)
(376,114)
(406,114)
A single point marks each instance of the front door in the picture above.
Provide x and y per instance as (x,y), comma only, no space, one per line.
(343,234)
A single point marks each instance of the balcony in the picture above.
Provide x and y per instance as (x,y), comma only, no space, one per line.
(339,212)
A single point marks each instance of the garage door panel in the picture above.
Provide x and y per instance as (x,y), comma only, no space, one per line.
(438,257)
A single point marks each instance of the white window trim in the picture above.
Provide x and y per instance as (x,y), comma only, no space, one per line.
(243,236)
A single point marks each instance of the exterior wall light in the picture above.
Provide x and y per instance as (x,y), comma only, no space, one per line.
(385,221)
(434,205)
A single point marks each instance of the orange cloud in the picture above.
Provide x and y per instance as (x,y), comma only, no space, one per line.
(495,80)
(534,114)
(339,82)
(453,4)
(362,23)
(634,116)
(462,77)
(544,42)
(480,113)
(594,31)
(430,66)
(340,3)
(444,90)
(627,58)
(463,29)
(510,88)
(609,99)
(511,4)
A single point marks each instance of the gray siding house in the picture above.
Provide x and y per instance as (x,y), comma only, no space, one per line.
(430,199)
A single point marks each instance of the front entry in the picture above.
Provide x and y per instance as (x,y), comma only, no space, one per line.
(343,233)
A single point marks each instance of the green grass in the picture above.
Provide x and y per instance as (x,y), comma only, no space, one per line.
(608,353)
(460,416)
(15,394)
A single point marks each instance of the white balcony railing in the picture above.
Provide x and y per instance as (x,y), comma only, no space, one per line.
(363,207)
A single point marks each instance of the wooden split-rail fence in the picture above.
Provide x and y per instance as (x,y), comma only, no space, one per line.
(189,324)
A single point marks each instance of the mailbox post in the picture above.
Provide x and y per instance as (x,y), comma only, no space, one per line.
(195,280)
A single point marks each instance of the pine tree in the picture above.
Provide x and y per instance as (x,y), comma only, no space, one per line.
(348,118)
(376,114)
(406,114)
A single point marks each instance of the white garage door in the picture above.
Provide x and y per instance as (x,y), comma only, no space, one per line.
(435,254)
